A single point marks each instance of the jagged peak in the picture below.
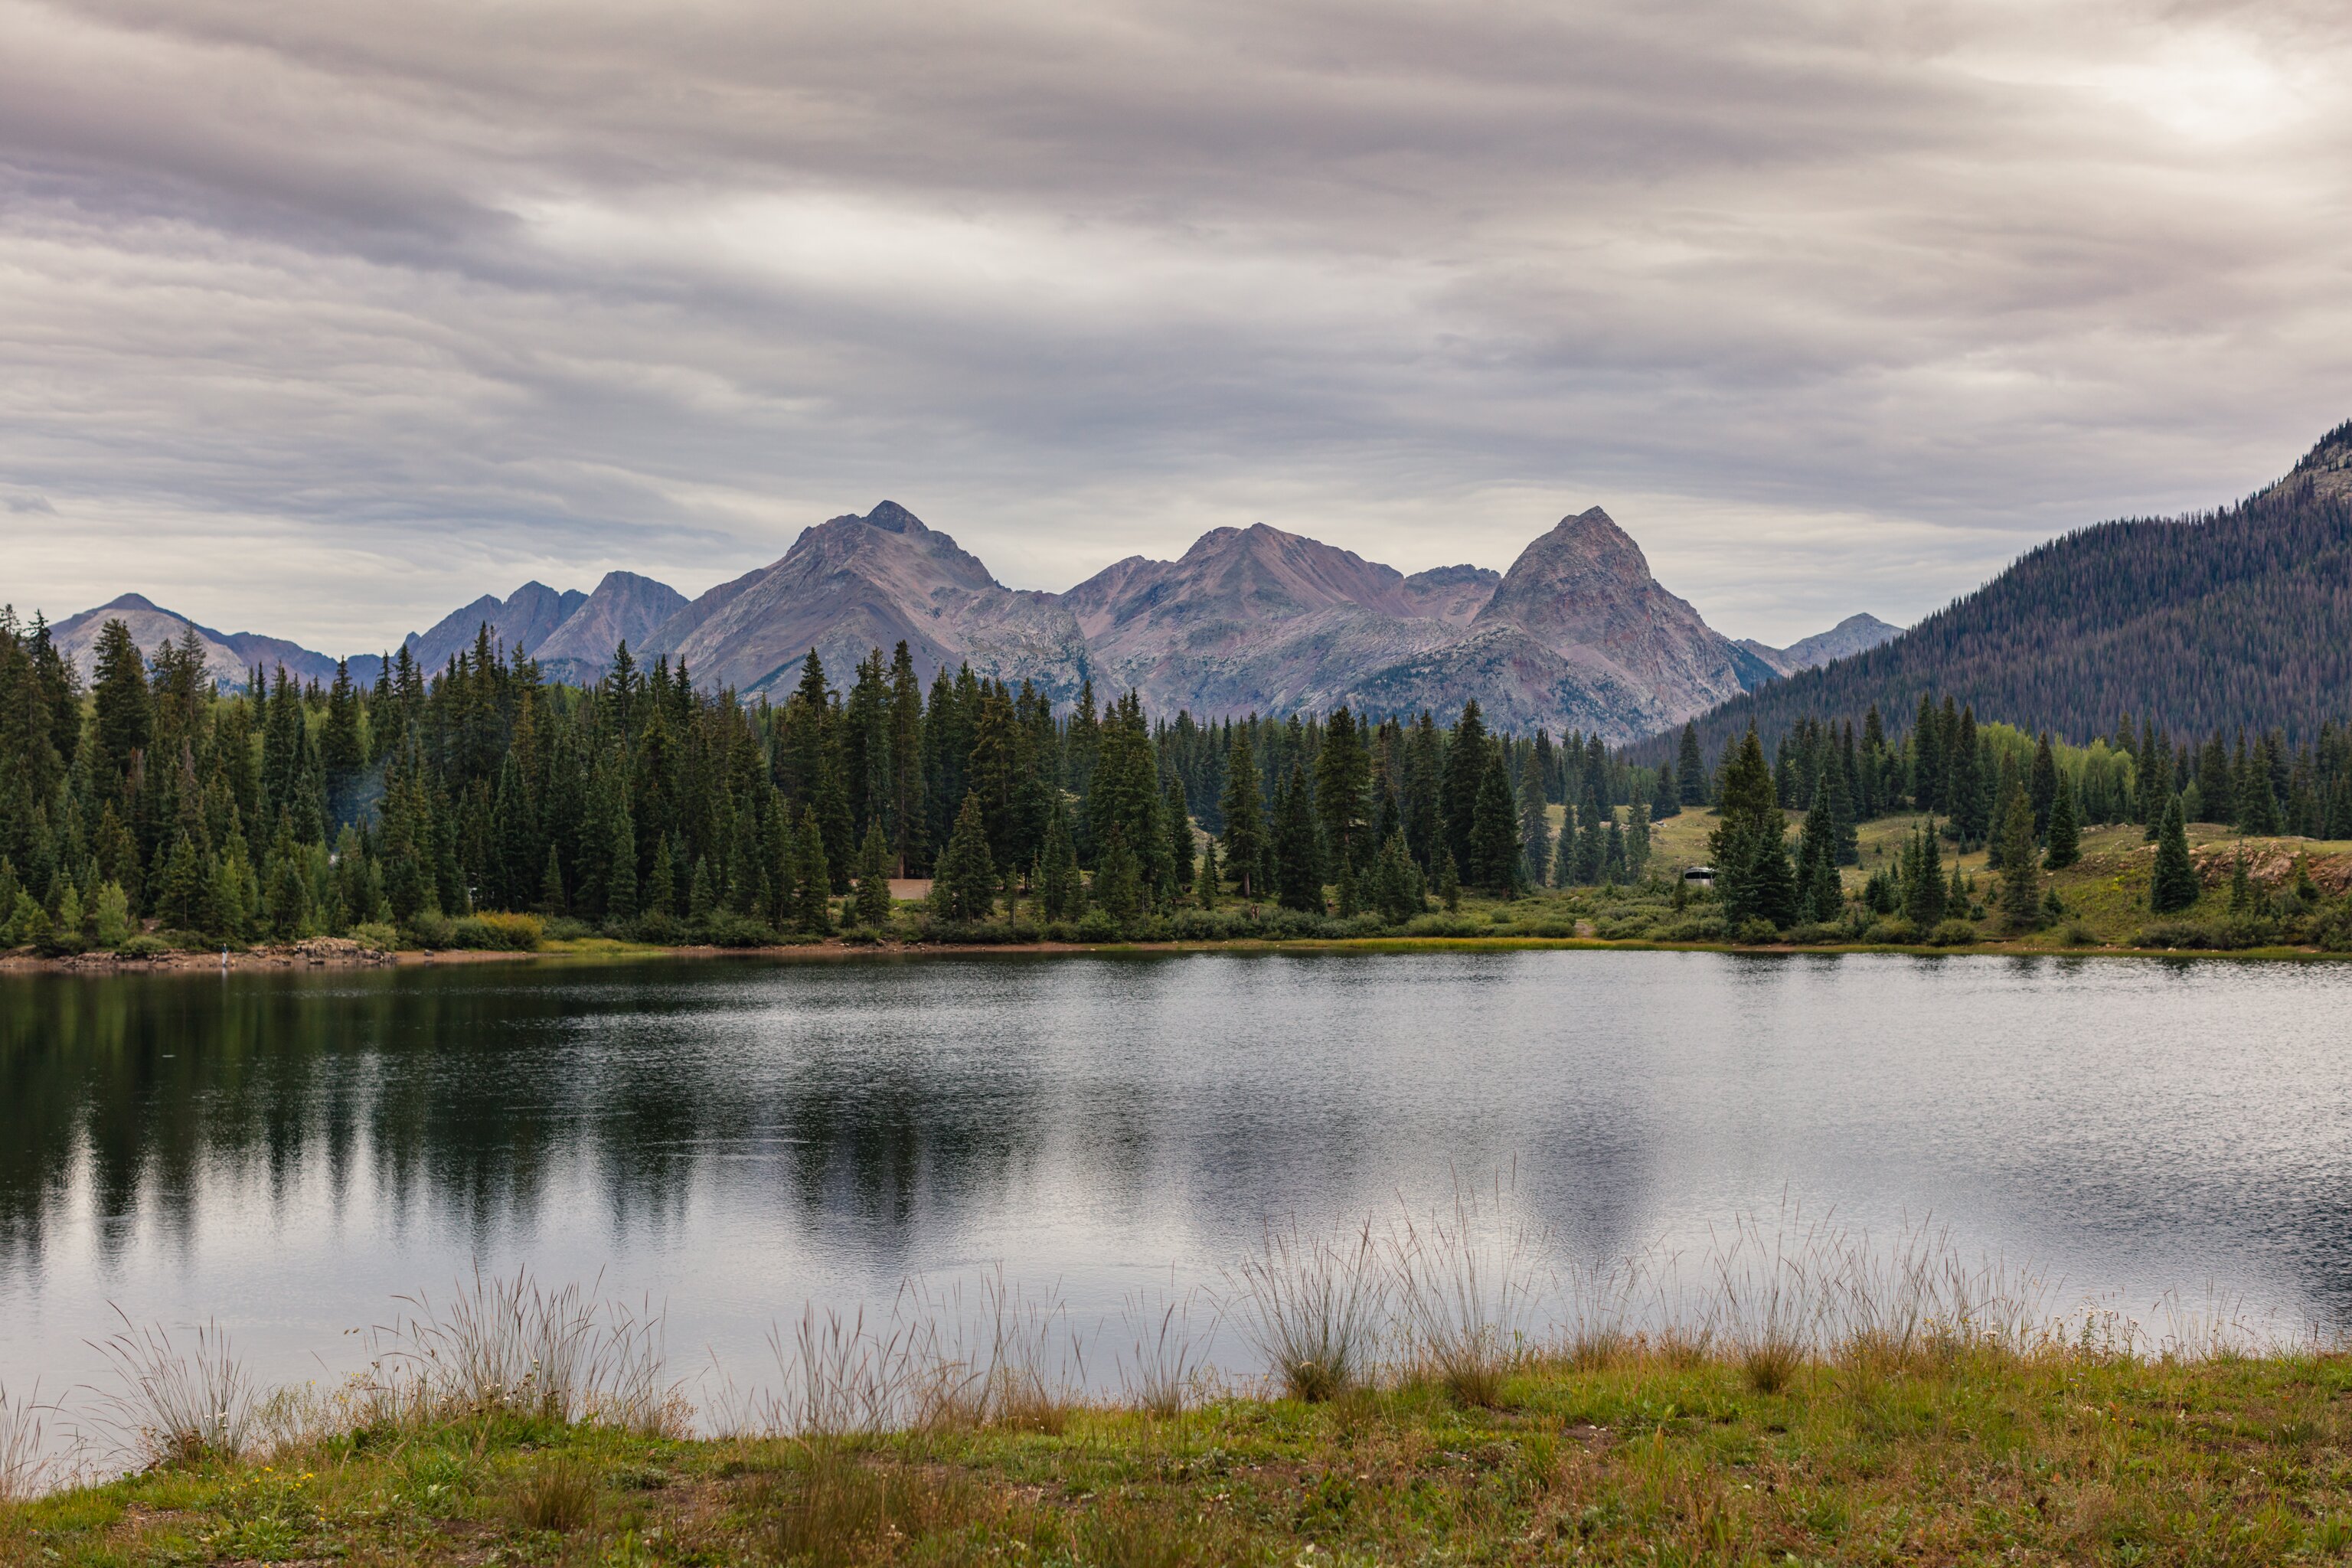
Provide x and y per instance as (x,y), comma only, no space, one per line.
(2333,452)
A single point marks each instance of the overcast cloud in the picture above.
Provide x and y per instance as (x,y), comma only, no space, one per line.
(322,320)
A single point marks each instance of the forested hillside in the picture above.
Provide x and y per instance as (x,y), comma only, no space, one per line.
(2240,618)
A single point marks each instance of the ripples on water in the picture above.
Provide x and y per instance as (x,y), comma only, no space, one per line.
(290,1152)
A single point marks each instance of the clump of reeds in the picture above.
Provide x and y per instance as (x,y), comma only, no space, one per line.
(511,1346)
(1311,1306)
(170,1406)
(1468,1284)
(830,1511)
(26,1463)
(559,1496)
(1164,1364)
(931,1362)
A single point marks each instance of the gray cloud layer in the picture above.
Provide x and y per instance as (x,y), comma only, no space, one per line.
(322,320)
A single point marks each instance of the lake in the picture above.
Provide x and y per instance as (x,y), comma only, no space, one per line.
(290,1151)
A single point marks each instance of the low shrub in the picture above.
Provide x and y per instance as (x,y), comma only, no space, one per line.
(144,946)
(976,933)
(1707,928)
(723,929)
(564,927)
(1952,933)
(430,929)
(1625,928)
(1756,931)
(1894,930)
(374,934)
(1096,925)
(1819,935)
(658,927)
(2223,936)
(493,931)
(1444,925)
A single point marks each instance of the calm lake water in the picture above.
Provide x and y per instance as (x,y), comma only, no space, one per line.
(289,1152)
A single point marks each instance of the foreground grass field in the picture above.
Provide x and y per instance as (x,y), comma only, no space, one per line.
(1642,1456)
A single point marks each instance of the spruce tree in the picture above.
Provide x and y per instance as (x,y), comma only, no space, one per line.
(1298,875)
(1061,891)
(551,884)
(2020,874)
(813,906)
(2242,888)
(1177,815)
(1495,853)
(875,859)
(1666,795)
(1923,891)
(1204,886)
(964,886)
(1466,771)
(1535,825)
(701,898)
(2044,785)
(1690,768)
(1246,849)
(2064,837)
(2172,885)
(1449,882)
(660,893)
(1119,880)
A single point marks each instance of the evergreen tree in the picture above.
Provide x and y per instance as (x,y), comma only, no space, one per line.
(180,889)
(812,900)
(1465,771)
(1748,847)
(2044,785)
(2065,835)
(1690,768)
(1820,897)
(701,898)
(2173,886)
(964,887)
(1496,857)
(2021,873)
(551,884)
(1343,776)
(1180,836)
(1923,891)
(1118,881)
(875,860)
(621,880)
(1061,890)
(1205,884)
(1298,875)
(1247,850)
(1535,823)
(1449,882)
(660,895)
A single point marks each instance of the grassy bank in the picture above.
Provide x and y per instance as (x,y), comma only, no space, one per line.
(1636,1455)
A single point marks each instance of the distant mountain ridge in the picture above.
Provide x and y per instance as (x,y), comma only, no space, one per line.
(2241,616)
(1578,634)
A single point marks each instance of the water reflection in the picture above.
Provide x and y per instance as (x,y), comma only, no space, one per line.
(743,1135)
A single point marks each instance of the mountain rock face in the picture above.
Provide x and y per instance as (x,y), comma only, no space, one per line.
(625,607)
(232,656)
(1577,635)
(525,620)
(1853,634)
(855,584)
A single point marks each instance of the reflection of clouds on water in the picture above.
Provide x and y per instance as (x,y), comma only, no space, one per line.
(291,1150)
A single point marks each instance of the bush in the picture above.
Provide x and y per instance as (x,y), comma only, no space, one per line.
(430,928)
(721,929)
(657,927)
(564,927)
(1097,926)
(2226,936)
(144,946)
(975,933)
(1756,931)
(1952,933)
(2077,934)
(1707,928)
(1894,930)
(376,935)
(494,932)
(1625,928)
(1442,925)
(1819,935)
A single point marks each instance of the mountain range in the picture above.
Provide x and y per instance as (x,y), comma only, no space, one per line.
(1578,634)
(2240,616)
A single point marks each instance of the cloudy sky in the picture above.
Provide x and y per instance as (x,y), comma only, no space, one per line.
(322,320)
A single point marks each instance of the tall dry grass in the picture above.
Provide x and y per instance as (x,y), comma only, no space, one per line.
(26,1464)
(1311,1306)
(174,1402)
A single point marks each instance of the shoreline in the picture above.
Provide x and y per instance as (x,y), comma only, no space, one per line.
(331,953)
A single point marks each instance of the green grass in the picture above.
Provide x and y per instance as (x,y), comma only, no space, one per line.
(2056,1455)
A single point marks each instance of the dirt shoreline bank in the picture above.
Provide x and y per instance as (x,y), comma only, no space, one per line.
(338,954)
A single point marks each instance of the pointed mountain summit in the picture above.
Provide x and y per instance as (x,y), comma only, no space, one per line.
(853,584)
(1853,634)
(232,656)
(524,619)
(625,607)
(1584,591)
